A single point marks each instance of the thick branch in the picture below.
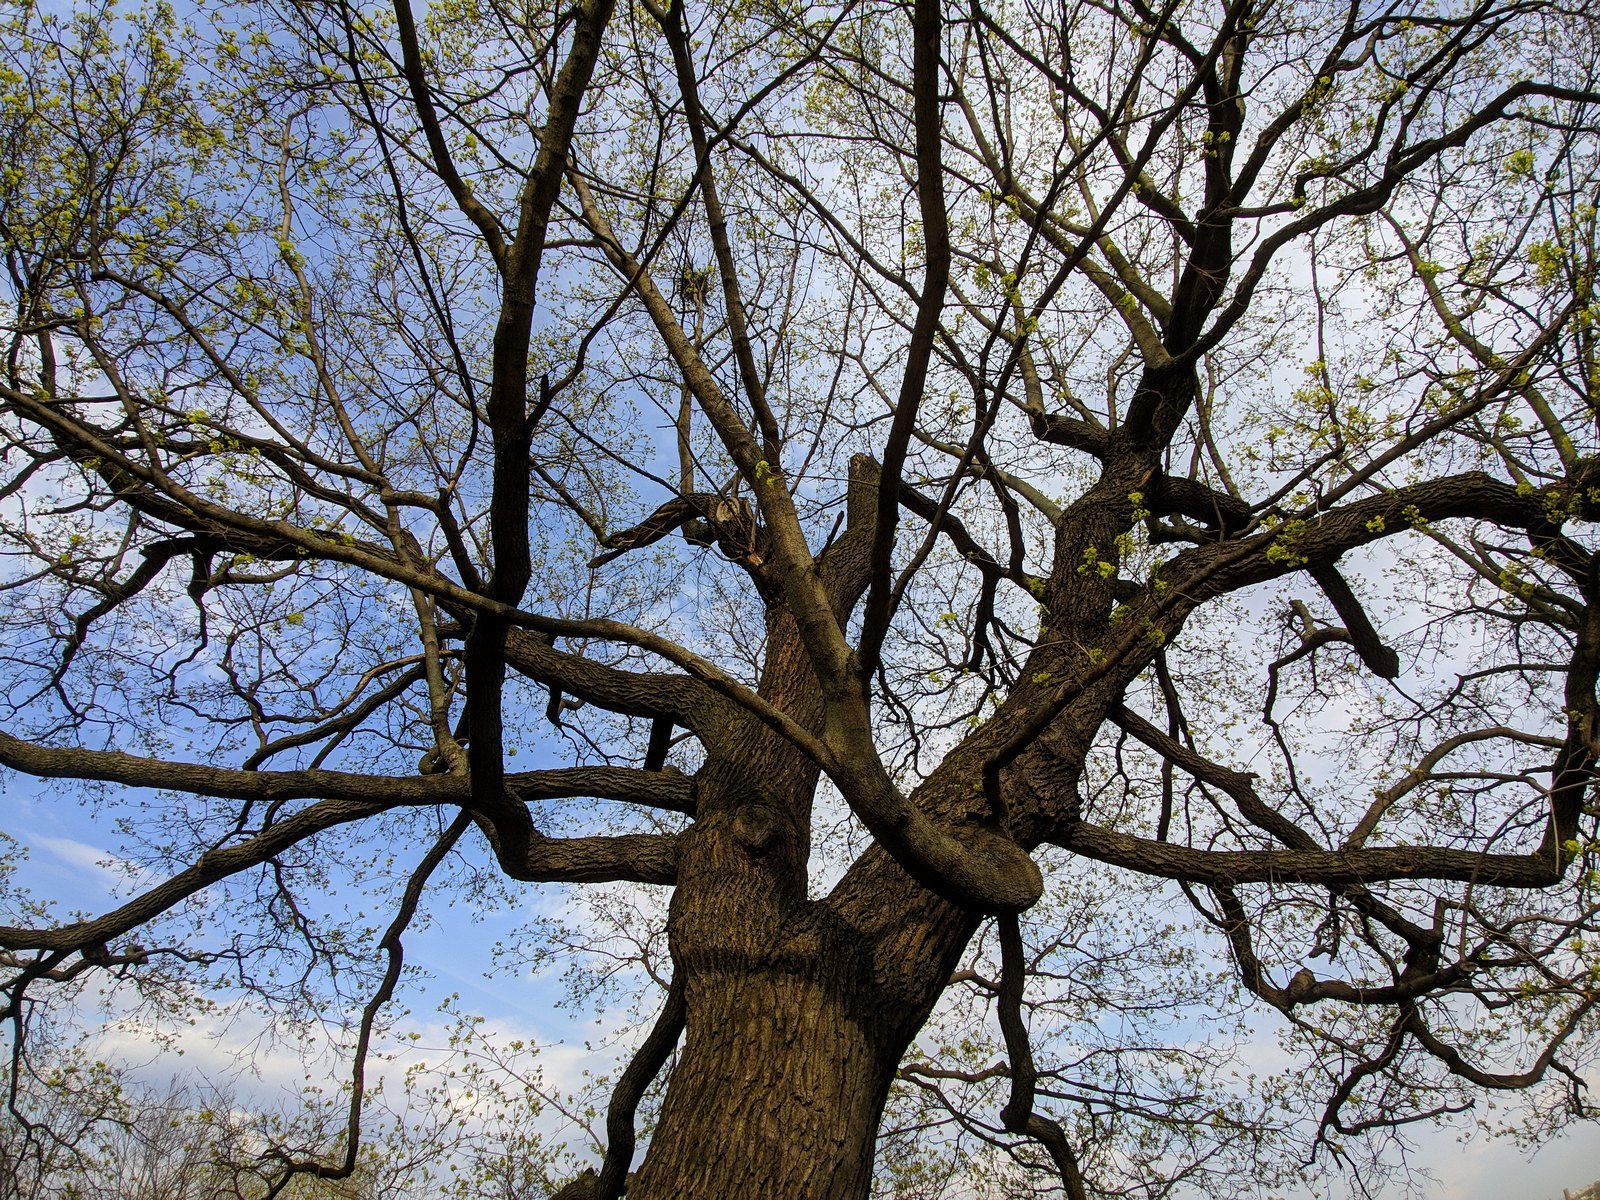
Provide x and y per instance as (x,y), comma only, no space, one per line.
(925,91)
(1224,868)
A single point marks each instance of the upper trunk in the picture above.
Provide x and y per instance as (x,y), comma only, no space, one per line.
(791,1044)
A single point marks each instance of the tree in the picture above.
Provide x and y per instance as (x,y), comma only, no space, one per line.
(102,1135)
(917,478)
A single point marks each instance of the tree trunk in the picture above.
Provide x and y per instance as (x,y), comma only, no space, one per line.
(792,1039)
(798,1010)
(778,1092)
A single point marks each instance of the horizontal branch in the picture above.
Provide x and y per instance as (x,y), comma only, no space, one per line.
(1224,868)
(113,766)
(343,797)
(667,790)
(608,858)
(1323,537)
(680,698)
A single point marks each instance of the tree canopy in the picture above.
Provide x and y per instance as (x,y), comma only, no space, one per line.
(1009,548)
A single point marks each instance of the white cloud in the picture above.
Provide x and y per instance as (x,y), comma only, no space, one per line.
(106,869)
(1481,1168)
